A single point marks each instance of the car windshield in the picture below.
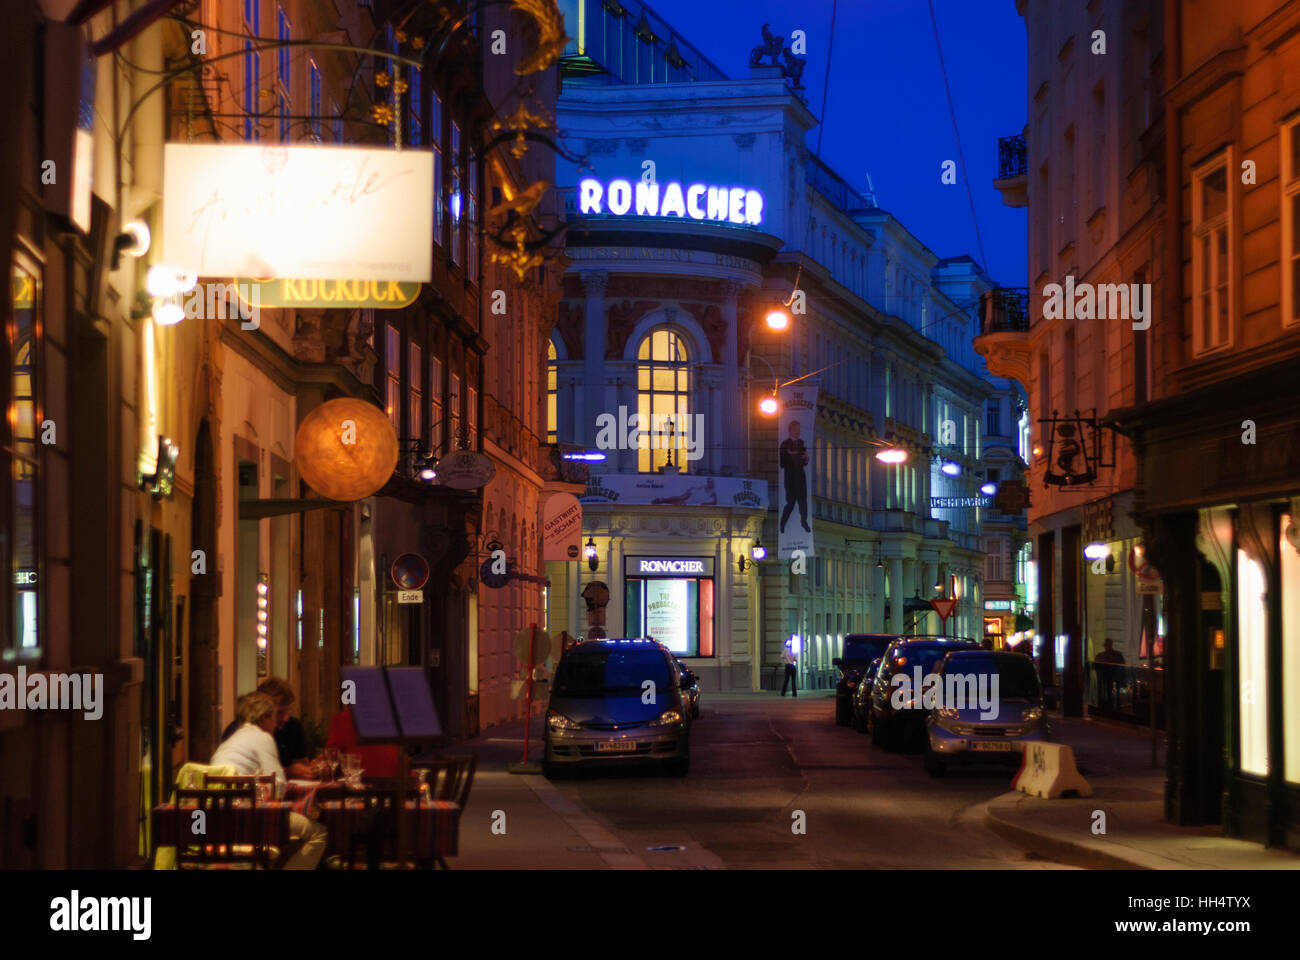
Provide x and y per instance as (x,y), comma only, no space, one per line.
(924,656)
(862,650)
(610,673)
(1017,678)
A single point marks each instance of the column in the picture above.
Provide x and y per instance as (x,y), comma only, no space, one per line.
(896,622)
(929,572)
(716,441)
(593,352)
(877,599)
(730,376)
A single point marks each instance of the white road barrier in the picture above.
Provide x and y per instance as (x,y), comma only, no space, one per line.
(1047,770)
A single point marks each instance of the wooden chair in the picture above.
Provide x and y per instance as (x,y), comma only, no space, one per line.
(220,844)
(450,778)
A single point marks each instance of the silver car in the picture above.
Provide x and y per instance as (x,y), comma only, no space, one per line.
(615,702)
(984,722)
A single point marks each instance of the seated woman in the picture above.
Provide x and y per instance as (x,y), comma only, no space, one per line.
(379,760)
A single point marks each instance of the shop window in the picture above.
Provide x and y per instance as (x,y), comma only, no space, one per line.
(23,637)
(552,381)
(1252,666)
(1212,291)
(663,400)
(676,612)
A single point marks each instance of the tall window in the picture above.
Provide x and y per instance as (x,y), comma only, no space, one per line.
(663,400)
(1291,224)
(453,401)
(415,369)
(454,198)
(393,362)
(471,417)
(313,81)
(1211,257)
(337,114)
(471,209)
(282,72)
(417,107)
(435,404)
(552,382)
(22,635)
(435,142)
(252,69)
(993,418)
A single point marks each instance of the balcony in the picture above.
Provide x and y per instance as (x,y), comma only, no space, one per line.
(1013,170)
(1003,339)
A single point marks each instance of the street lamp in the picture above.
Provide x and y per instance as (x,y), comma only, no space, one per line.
(768,406)
(759,552)
(777,319)
(589,551)
(892,455)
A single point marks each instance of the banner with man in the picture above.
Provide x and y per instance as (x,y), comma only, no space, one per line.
(794,466)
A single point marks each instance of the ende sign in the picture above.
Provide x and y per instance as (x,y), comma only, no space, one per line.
(696,201)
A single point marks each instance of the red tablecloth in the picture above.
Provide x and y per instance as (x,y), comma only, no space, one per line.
(434,826)
(263,823)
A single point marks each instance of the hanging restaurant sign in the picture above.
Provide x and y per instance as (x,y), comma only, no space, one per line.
(1073,450)
(465,470)
(310,212)
(372,294)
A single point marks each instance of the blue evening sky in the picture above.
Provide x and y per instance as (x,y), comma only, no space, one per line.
(888,114)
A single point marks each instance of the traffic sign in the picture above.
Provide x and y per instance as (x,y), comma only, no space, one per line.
(410,596)
(524,637)
(410,572)
(944,607)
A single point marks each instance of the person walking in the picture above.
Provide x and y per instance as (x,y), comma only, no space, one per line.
(791,662)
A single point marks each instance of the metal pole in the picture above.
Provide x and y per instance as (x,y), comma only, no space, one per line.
(528,697)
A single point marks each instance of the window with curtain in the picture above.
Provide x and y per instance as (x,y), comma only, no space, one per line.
(415,368)
(1291,224)
(435,404)
(393,365)
(453,402)
(1211,258)
(663,399)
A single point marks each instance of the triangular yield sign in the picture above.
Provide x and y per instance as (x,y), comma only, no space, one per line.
(944,607)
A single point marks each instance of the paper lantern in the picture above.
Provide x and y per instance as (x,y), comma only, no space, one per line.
(346,449)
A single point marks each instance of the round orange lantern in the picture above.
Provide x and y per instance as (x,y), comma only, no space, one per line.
(346,449)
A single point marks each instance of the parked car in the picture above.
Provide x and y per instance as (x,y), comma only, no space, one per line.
(862,697)
(690,684)
(598,713)
(897,728)
(859,650)
(962,734)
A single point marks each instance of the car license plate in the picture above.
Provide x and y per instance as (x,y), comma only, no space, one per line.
(616,746)
(993,746)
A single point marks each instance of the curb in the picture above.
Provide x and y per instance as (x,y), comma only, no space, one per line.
(1071,852)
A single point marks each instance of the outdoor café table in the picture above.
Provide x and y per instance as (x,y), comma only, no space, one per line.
(265,823)
(434,834)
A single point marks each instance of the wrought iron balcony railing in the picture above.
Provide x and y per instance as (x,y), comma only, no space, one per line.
(1012,157)
(1004,310)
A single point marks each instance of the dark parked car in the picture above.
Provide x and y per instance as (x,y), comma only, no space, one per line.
(859,650)
(903,726)
(690,689)
(862,698)
(966,732)
(598,713)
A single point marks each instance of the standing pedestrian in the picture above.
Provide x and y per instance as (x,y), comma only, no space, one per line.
(791,661)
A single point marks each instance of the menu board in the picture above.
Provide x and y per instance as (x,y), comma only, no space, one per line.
(414,703)
(372,710)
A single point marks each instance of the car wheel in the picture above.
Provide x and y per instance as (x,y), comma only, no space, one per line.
(877,733)
(934,766)
(859,723)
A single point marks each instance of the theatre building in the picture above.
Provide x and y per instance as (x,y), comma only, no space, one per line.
(700,211)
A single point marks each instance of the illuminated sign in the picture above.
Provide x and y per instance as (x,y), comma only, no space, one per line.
(953,503)
(310,212)
(997,605)
(374,294)
(695,201)
(668,566)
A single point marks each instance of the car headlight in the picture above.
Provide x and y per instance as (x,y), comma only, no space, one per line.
(1033,713)
(558,721)
(667,718)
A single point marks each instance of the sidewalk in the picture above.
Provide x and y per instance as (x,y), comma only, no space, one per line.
(1115,759)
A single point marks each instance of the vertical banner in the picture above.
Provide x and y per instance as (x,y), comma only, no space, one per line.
(562,528)
(795,468)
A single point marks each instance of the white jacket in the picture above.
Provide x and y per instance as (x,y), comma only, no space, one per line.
(251,750)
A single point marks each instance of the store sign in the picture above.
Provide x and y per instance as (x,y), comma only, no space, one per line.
(465,470)
(695,201)
(562,528)
(681,490)
(955,503)
(998,605)
(306,212)
(686,567)
(313,294)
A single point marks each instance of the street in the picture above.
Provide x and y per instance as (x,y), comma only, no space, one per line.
(756,760)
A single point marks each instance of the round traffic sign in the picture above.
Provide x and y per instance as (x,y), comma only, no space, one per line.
(540,650)
(410,572)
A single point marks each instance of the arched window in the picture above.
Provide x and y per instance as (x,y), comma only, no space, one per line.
(551,382)
(663,400)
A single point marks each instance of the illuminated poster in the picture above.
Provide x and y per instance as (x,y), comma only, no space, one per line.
(794,469)
(668,614)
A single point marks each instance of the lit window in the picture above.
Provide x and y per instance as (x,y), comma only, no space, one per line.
(393,361)
(551,383)
(435,141)
(454,198)
(435,404)
(415,369)
(453,401)
(663,400)
(1291,225)
(1212,257)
